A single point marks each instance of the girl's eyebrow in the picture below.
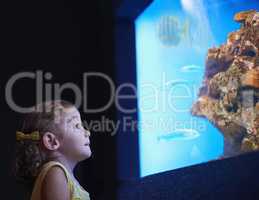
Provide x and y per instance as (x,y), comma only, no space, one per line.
(73,117)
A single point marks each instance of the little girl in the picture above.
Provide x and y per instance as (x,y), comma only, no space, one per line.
(50,143)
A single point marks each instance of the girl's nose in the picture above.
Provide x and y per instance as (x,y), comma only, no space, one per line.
(87,133)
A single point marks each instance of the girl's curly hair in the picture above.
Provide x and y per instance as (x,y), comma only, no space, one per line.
(29,156)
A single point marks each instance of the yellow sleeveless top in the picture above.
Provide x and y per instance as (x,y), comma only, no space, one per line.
(76,191)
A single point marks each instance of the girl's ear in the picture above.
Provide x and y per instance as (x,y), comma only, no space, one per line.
(50,141)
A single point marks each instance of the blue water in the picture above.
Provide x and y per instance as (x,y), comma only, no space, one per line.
(172,39)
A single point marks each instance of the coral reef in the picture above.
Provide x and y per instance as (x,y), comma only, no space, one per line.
(229,93)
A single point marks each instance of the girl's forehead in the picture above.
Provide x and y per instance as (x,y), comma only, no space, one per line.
(71,114)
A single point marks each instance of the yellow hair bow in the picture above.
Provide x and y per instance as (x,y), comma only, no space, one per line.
(32,136)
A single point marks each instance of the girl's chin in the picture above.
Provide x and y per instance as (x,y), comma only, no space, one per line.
(86,154)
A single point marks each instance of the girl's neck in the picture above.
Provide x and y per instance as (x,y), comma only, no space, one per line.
(70,165)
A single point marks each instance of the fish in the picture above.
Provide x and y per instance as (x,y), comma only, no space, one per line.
(180,134)
(190,68)
(171,30)
(176,82)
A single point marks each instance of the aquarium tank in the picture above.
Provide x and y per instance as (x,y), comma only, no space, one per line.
(182,116)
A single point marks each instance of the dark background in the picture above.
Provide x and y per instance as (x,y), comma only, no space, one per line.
(66,38)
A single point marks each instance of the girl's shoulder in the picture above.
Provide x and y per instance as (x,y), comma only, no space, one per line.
(49,165)
(76,191)
(47,170)
(55,185)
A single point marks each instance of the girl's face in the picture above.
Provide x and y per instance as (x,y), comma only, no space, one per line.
(75,142)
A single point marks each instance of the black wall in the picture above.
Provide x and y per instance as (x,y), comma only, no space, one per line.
(66,38)
(232,179)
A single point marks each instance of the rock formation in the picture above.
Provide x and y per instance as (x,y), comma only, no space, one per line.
(229,93)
